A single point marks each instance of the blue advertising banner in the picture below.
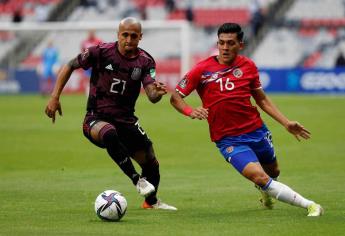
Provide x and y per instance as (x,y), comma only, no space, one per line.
(301,80)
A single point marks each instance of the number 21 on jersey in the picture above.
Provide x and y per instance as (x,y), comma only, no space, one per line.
(118,86)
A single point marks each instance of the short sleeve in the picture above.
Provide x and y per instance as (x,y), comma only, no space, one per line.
(254,74)
(149,75)
(88,57)
(189,82)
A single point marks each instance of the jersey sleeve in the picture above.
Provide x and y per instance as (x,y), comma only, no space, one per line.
(254,74)
(88,57)
(149,75)
(189,82)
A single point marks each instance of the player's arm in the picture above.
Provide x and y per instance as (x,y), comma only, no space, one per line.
(155,91)
(178,102)
(62,78)
(266,104)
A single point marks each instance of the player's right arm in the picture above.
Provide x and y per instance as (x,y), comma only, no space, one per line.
(62,78)
(181,106)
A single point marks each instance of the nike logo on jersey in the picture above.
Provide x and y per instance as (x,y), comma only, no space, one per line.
(109,67)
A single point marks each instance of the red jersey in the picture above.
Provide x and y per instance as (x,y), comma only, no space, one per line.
(225,91)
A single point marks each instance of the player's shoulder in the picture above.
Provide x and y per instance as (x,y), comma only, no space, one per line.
(205,63)
(106,46)
(146,55)
(246,61)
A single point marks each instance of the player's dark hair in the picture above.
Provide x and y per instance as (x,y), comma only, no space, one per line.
(231,28)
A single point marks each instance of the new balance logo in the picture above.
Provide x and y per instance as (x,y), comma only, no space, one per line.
(109,67)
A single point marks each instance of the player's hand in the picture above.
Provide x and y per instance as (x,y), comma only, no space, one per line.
(53,106)
(199,113)
(161,88)
(298,130)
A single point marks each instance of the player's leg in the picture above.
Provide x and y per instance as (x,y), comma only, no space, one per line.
(245,161)
(104,135)
(254,172)
(141,149)
(264,150)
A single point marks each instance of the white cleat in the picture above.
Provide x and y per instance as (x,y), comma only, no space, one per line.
(144,187)
(159,205)
(315,210)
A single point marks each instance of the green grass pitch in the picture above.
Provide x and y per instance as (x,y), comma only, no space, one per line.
(50,174)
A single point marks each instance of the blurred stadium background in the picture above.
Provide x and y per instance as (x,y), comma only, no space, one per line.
(295,43)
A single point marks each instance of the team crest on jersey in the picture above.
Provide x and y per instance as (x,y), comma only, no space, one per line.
(183,83)
(237,73)
(136,73)
(229,149)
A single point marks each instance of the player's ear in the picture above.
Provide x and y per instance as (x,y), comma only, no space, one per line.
(241,45)
(141,36)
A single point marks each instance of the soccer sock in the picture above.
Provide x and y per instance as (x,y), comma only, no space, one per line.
(150,171)
(119,154)
(284,193)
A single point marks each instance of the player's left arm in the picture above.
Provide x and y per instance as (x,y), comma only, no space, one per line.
(266,104)
(155,91)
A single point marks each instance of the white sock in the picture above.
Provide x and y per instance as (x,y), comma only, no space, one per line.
(284,193)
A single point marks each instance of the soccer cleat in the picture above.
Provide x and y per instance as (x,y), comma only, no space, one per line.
(158,205)
(266,200)
(144,187)
(315,210)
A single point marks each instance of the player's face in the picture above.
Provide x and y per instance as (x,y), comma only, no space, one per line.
(228,46)
(129,36)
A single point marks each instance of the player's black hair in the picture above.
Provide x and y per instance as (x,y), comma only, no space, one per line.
(231,28)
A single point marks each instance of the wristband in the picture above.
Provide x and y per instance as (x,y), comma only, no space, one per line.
(187,111)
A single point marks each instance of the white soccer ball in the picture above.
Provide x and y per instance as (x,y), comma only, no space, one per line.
(110,205)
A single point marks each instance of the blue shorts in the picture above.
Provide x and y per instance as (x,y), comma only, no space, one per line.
(255,146)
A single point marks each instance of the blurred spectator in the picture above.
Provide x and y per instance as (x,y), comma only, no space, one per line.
(142,9)
(41,11)
(91,40)
(257,16)
(49,67)
(17,15)
(340,61)
(189,13)
(170,5)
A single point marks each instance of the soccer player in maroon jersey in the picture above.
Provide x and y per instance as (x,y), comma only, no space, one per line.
(118,71)
(225,84)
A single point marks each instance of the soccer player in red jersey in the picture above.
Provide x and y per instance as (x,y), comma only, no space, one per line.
(225,84)
(91,40)
(119,69)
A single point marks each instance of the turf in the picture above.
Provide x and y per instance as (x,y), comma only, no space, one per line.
(50,174)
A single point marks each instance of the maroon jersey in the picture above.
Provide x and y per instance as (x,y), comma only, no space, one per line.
(116,81)
(225,91)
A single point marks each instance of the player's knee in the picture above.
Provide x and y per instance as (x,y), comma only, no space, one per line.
(260,179)
(108,137)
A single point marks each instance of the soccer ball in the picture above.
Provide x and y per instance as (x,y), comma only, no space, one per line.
(110,205)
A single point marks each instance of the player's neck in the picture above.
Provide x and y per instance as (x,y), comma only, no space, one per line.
(227,63)
(129,53)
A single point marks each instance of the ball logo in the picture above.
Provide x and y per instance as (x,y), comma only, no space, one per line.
(237,73)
